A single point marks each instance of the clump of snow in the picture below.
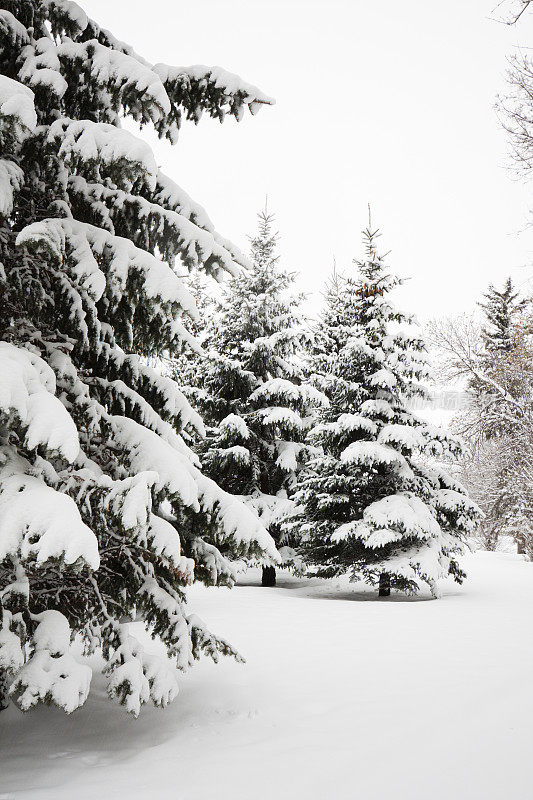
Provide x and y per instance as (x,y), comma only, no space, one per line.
(69,9)
(236,453)
(236,424)
(11,180)
(17,100)
(11,652)
(390,519)
(369,453)
(40,523)
(347,423)
(41,67)
(165,542)
(377,408)
(52,674)
(384,379)
(52,633)
(283,389)
(27,390)
(280,415)
(405,435)
(12,28)
(288,453)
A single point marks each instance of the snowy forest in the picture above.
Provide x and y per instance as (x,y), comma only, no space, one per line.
(266,516)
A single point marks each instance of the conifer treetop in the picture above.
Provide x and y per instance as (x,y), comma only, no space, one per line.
(501,309)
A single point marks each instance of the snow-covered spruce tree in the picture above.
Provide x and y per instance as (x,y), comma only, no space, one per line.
(501,311)
(104,513)
(370,504)
(251,389)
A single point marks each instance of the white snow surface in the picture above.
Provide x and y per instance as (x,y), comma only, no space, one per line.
(343,696)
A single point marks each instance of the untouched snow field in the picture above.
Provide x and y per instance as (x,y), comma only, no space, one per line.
(344,697)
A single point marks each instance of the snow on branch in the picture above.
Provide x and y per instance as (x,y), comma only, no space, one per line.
(27,391)
(168,231)
(17,104)
(179,479)
(159,93)
(11,180)
(99,150)
(286,391)
(212,89)
(11,29)
(369,453)
(135,676)
(140,88)
(39,523)
(52,675)
(171,196)
(173,404)
(53,236)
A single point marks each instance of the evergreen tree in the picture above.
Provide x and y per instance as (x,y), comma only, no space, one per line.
(104,513)
(251,391)
(501,310)
(369,503)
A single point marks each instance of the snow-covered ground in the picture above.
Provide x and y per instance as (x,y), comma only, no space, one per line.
(344,697)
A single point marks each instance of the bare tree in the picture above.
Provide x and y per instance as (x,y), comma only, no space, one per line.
(516,112)
(497,424)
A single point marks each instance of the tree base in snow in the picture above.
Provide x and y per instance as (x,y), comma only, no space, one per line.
(269,576)
(384,585)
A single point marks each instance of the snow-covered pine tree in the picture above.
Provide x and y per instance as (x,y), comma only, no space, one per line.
(370,504)
(104,513)
(251,388)
(502,337)
(501,311)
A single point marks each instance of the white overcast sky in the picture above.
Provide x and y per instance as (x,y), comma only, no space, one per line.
(384,102)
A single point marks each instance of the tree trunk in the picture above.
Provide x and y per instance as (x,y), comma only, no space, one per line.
(384,584)
(4,686)
(491,539)
(269,576)
(520,545)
